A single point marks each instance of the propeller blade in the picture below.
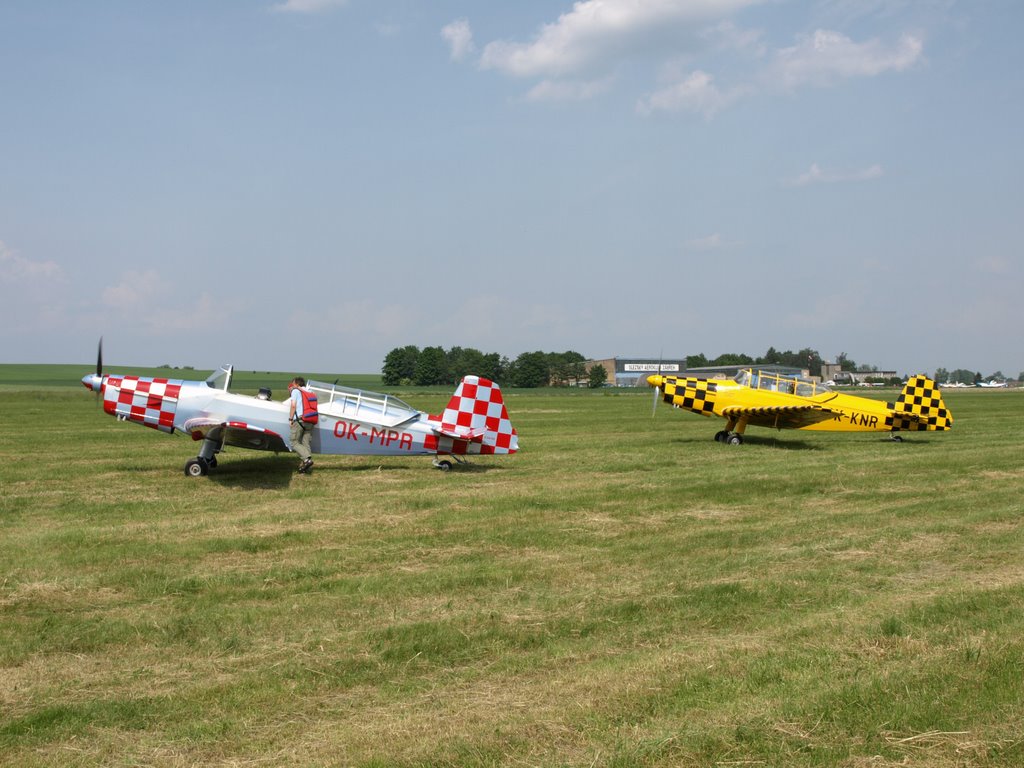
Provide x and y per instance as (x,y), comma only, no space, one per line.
(657,390)
(99,359)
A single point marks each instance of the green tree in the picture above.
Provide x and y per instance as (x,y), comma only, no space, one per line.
(597,377)
(431,367)
(730,358)
(566,368)
(941,375)
(530,370)
(463,362)
(495,366)
(399,365)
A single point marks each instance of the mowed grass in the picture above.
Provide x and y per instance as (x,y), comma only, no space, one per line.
(623,592)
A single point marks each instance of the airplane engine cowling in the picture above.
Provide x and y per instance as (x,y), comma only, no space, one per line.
(148,401)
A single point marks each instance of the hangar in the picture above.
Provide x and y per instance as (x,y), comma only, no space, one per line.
(633,371)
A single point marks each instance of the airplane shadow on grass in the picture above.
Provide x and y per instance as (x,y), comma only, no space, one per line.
(278,472)
(758,442)
(785,444)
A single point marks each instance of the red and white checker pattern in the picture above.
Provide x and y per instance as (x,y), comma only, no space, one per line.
(151,402)
(477,407)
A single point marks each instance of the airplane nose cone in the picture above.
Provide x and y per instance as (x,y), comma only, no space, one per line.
(92,382)
(655,380)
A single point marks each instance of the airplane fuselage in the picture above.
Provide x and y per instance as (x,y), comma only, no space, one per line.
(350,422)
(756,398)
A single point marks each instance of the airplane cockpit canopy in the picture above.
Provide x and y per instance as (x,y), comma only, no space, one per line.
(371,407)
(774,382)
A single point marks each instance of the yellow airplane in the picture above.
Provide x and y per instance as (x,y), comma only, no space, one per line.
(763,399)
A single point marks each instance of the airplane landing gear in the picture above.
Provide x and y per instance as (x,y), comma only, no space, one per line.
(197,467)
(729,438)
(445,465)
(205,461)
(895,438)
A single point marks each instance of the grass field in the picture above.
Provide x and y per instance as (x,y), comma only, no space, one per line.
(622,592)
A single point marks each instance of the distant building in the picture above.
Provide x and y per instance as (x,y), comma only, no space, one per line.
(633,371)
(729,371)
(833,372)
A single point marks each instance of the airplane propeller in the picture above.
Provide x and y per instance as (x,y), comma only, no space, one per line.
(94,381)
(657,390)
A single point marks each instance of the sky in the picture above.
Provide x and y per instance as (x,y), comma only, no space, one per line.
(304,185)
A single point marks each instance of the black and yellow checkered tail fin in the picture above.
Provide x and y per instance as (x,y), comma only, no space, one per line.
(920,407)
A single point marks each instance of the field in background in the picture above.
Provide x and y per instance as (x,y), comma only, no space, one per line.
(623,592)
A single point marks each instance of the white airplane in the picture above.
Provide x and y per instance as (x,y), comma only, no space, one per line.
(992,384)
(351,421)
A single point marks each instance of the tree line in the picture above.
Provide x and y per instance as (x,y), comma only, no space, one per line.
(804,358)
(964,376)
(411,365)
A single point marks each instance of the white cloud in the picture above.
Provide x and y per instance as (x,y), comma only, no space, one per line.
(16,268)
(576,56)
(459,37)
(567,90)
(827,56)
(204,313)
(709,243)
(695,92)
(598,33)
(134,290)
(158,308)
(307,6)
(727,36)
(818,175)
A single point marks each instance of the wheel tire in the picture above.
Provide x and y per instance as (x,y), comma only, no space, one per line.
(734,440)
(897,439)
(444,466)
(721,436)
(196,467)
(212,463)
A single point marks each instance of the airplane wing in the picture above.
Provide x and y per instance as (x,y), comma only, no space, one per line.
(237,433)
(780,416)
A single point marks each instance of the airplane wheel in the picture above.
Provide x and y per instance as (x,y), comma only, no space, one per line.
(212,463)
(734,440)
(444,466)
(721,437)
(897,439)
(196,467)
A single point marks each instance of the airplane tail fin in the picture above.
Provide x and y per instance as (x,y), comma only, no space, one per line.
(476,418)
(920,407)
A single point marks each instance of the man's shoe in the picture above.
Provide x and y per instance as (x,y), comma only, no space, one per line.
(306,465)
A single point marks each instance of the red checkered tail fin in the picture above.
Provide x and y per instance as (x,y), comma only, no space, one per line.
(476,413)
(920,406)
